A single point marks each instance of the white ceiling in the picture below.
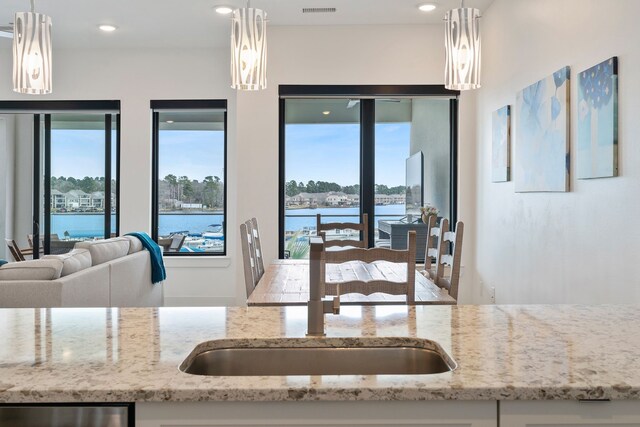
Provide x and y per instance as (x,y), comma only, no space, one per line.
(194,23)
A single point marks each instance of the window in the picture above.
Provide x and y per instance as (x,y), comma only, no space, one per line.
(189,176)
(343,152)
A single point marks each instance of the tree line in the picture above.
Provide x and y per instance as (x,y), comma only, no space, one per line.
(209,192)
(86,184)
(293,188)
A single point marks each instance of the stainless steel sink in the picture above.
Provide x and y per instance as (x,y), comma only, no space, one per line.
(353,356)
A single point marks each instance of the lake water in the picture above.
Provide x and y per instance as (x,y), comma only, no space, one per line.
(91,225)
(387,212)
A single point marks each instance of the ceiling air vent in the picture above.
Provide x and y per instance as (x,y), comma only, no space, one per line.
(318,10)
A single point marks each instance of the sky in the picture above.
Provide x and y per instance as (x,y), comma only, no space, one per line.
(318,152)
(331,152)
(77,153)
(196,154)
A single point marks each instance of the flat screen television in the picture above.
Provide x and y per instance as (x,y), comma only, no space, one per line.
(413,183)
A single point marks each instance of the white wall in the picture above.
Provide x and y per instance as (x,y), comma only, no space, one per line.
(579,246)
(297,55)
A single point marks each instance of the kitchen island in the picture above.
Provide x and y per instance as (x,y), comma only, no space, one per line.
(503,353)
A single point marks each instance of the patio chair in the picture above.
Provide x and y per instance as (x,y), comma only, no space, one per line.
(175,243)
(16,253)
(52,237)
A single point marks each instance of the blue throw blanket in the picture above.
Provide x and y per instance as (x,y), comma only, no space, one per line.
(158,273)
(3,262)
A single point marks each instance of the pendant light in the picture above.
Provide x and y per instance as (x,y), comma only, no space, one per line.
(32,52)
(462,45)
(249,49)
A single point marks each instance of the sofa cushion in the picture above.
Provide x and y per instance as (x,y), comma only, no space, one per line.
(105,250)
(135,245)
(40,269)
(73,261)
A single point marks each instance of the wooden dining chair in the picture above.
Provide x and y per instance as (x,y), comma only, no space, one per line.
(252,272)
(15,251)
(431,249)
(449,258)
(369,257)
(257,247)
(362,227)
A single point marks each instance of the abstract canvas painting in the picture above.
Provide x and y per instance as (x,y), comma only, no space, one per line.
(542,135)
(500,145)
(597,154)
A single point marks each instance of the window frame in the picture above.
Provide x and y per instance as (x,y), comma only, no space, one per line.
(174,105)
(367,94)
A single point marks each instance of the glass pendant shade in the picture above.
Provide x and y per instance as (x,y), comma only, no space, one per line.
(462,44)
(249,49)
(32,53)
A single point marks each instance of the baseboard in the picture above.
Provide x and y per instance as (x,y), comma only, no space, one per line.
(199,301)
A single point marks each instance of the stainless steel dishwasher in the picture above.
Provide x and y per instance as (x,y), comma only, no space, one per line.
(52,415)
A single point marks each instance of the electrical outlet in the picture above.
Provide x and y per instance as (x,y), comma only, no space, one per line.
(492,295)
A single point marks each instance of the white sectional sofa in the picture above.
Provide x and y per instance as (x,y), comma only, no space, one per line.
(103,273)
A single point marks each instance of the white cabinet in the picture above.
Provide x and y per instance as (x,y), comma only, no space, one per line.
(318,414)
(561,413)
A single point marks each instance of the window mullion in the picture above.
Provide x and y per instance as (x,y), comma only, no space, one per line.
(367,163)
(47,186)
(154,176)
(107,176)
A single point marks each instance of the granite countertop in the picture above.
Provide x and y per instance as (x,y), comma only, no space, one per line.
(503,352)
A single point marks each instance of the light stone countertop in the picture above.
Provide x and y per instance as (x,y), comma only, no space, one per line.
(503,352)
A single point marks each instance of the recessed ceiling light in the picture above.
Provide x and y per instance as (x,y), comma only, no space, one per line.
(224,10)
(107,28)
(427,7)
(169,121)
(326,113)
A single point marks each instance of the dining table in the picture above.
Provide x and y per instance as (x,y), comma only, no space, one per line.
(286,282)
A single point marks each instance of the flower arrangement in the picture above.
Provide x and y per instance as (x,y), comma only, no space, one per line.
(428,211)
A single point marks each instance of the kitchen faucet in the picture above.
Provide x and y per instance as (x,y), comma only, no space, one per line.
(317,307)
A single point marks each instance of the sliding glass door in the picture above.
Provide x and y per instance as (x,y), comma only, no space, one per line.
(62,173)
(345,155)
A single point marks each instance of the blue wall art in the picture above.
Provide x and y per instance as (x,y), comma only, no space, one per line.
(501,144)
(542,135)
(597,154)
